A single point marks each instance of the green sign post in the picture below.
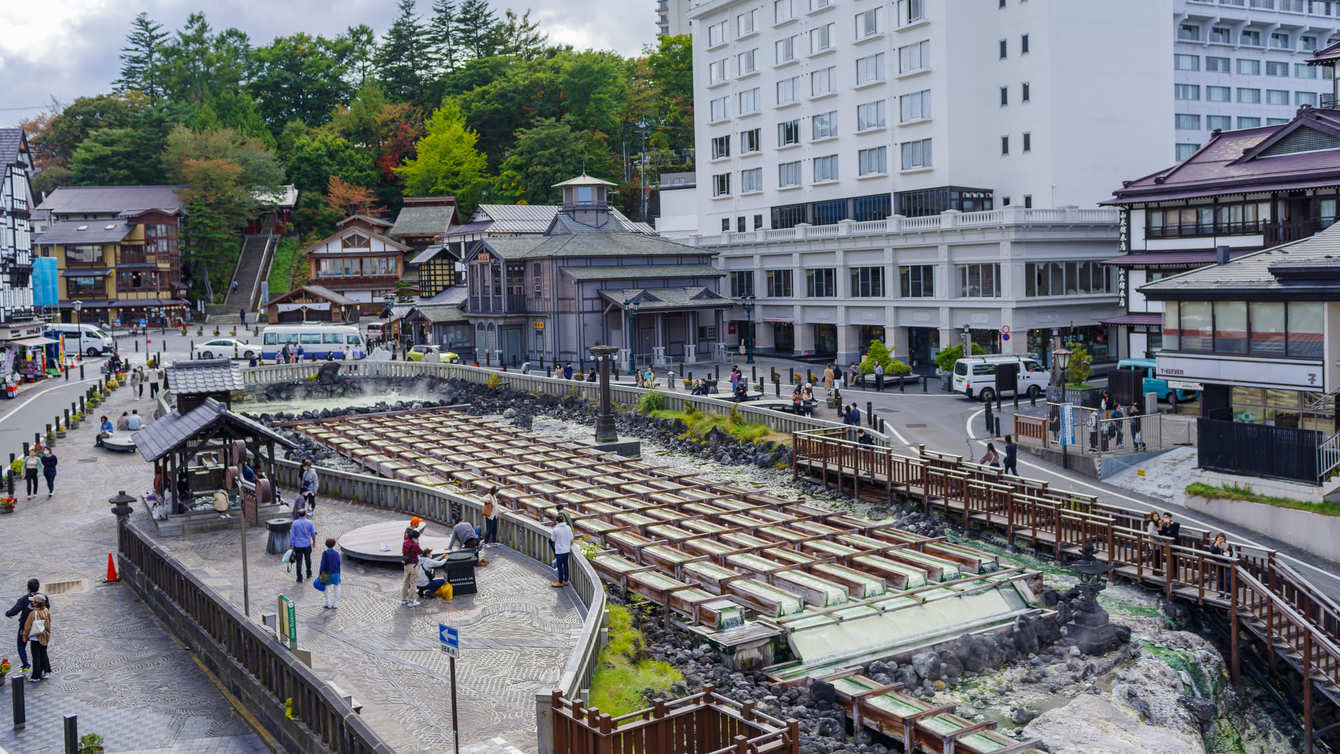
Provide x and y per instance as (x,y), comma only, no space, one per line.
(288,622)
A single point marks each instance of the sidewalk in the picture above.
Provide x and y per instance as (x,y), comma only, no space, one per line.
(115,666)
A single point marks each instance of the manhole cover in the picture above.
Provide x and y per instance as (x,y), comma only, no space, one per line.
(65,586)
(87,460)
(915,426)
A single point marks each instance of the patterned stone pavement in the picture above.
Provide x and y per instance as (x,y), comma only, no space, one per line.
(515,634)
(115,666)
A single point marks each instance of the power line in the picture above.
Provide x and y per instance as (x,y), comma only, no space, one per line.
(30,107)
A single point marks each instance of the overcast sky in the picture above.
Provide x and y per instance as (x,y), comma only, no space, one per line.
(69,48)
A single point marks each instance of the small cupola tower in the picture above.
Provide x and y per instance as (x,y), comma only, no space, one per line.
(586,200)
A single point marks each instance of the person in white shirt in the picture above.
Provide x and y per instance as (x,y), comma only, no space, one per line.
(561,537)
(428,585)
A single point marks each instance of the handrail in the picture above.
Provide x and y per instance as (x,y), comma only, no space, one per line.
(263,272)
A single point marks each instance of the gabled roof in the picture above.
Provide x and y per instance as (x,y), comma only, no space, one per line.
(653,299)
(582,180)
(92,200)
(312,248)
(576,245)
(534,218)
(13,142)
(319,291)
(68,232)
(452,295)
(370,220)
(424,216)
(438,313)
(204,376)
(1307,269)
(1303,152)
(174,430)
(1327,55)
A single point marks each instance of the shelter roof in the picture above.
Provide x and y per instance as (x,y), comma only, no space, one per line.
(653,299)
(319,291)
(204,376)
(174,430)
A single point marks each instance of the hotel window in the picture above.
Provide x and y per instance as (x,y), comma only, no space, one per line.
(749,101)
(1023,44)
(1023,92)
(782,10)
(1274,68)
(778,283)
(1251,38)
(1184,151)
(1249,67)
(788,133)
(721,184)
(1028,141)
(751,180)
(1218,94)
(911,11)
(1219,35)
(725,225)
(914,57)
(1189,32)
(824,125)
(720,147)
(823,81)
(1276,121)
(867,282)
(718,109)
(785,49)
(916,154)
(917,281)
(873,161)
(1186,62)
(870,69)
(1066,278)
(746,23)
(821,282)
(1307,42)
(870,115)
(741,283)
(826,168)
(914,106)
(788,174)
(1186,92)
(821,38)
(1004,145)
(819,4)
(1004,96)
(751,141)
(1279,40)
(1249,96)
(1186,122)
(1305,98)
(979,280)
(1004,49)
(716,34)
(1304,71)
(1219,122)
(1277,97)
(746,62)
(758,221)
(1028,201)
(788,90)
(1217,65)
(868,23)
(716,72)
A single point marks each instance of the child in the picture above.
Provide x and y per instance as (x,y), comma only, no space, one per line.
(329,572)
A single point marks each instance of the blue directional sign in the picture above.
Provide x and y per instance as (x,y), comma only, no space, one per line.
(451,641)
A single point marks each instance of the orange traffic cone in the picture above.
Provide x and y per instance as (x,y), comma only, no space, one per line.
(111,570)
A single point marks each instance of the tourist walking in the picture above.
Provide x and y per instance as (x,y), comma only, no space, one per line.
(137,382)
(37,632)
(567,371)
(1223,549)
(491,511)
(152,377)
(1114,426)
(1137,435)
(409,558)
(32,463)
(300,537)
(879,377)
(1092,422)
(329,573)
(22,607)
(49,469)
(310,483)
(561,540)
(828,379)
(991,457)
(1011,456)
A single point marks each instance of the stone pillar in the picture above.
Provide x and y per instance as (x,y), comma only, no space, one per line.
(804,337)
(896,338)
(763,332)
(848,343)
(605,416)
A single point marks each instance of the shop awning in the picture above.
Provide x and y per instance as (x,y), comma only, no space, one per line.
(779,321)
(1136,319)
(34,341)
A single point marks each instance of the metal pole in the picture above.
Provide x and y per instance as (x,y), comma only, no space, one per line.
(71,734)
(20,715)
(455,728)
(246,583)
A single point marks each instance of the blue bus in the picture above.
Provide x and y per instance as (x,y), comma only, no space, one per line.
(318,341)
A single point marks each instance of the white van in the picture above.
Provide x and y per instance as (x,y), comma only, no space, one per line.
(89,340)
(976,376)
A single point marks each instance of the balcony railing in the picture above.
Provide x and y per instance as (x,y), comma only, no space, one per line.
(1185,230)
(1278,233)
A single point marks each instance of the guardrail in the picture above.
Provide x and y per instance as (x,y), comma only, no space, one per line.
(520,534)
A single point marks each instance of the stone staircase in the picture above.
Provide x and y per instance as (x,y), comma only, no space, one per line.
(253,265)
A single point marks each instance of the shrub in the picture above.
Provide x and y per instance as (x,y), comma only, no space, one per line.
(1079,369)
(493,382)
(650,402)
(946,358)
(879,354)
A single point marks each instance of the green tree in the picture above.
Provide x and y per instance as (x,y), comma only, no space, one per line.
(115,157)
(402,56)
(594,86)
(1080,366)
(520,37)
(300,77)
(361,42)
(442,35)
(219,204)
(518,98)
(52,178)
(446,160)
(319,155)
(85,115)
(142,57)
(878,353)
(669,72)
(552,152)
(947,356)
(259,169)
(477,32)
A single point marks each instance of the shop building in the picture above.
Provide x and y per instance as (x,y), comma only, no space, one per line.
(358,262)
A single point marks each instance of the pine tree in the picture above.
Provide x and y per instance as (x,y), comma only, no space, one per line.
(442,32)
(142,57)
(519,36)
(476,30)
(402,54)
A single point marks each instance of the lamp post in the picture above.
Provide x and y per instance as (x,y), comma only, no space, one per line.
(605,432)
(1061,357)
(630,308)
(748,301)
(78,334)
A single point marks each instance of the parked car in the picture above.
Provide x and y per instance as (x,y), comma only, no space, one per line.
(1153,383)
(421,351)
(975,376)
(225,348)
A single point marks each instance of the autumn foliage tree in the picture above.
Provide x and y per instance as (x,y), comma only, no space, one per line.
(346,199)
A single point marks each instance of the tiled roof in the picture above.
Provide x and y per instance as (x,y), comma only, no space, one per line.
(652,299)
(204,376)
(636,271)
(609,244)
(423,220)
(170,432)
(320,291)
(536,218)
(11,140)
(109,199)
(84,231)
(439,313)
(1306,269)
(453,295)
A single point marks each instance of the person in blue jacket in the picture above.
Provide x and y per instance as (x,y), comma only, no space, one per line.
(330,571)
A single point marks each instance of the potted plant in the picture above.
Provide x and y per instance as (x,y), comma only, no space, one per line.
(4,667)
(7,506)
(51,437)
(90,743)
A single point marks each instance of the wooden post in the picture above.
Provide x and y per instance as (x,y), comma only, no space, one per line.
(1235,662)
(1168,562)
(1307,690)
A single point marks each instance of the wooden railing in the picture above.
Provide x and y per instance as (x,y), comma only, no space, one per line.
(1290,614)
(703,723)
(520,534)
(327,717)
(1031,427)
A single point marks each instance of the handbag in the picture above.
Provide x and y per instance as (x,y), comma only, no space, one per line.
(288,556)
(39,627)
(319,585)
(323,577)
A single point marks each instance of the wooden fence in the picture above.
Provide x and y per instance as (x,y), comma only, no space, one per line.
(703,723)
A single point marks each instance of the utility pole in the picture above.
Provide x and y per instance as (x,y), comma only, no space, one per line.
(642,163)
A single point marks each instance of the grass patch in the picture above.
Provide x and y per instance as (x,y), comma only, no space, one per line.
(283,266)
(1203,684)
(624,673)
(734,424)
(1234,492)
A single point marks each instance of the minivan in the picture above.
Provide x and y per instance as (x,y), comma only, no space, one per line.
(89,340)
(1152,383)
(975,376)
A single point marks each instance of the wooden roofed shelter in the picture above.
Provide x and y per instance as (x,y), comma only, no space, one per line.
(203,450)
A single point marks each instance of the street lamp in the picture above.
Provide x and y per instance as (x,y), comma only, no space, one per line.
(1061,358)
(748,301)
(630,308)
(78,334)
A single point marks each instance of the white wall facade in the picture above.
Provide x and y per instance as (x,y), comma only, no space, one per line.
(672,17)
(16,244)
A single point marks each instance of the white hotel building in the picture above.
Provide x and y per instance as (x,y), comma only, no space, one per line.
(894,169)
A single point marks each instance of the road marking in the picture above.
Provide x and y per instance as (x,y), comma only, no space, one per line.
(973,438)
(40,393)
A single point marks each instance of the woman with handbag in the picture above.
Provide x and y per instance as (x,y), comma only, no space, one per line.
(330,573)
(491,516)
(37,632)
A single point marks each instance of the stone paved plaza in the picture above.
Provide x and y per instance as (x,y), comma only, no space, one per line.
(115,666)
(516,633)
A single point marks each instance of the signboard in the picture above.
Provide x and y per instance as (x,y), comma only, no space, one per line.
(483,257)
(288,622)
(1004,332)
(1240,370)
(539,324)
(1184,385)
(450,640)
(1067,424)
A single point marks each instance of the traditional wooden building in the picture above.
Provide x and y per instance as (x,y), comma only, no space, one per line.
(358,261)
(16,252)
(313,303)
(429,266)
(441,320)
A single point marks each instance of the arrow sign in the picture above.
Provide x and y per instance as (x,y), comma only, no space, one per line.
(450,639)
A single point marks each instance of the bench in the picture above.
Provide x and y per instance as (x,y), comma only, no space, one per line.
(119,443)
